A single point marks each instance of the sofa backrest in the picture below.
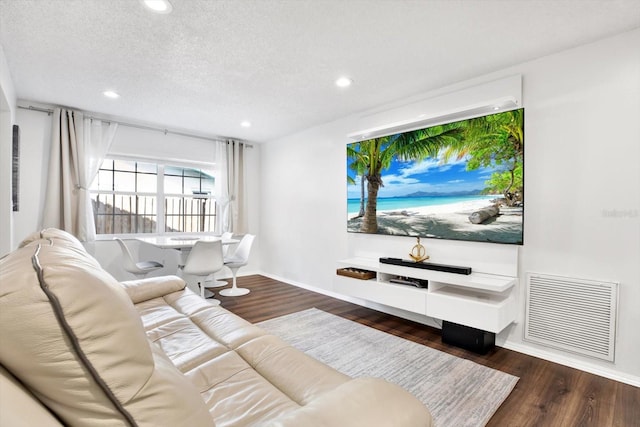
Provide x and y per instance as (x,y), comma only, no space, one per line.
(73,338)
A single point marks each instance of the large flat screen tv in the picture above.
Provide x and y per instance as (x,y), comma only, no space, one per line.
(459,181)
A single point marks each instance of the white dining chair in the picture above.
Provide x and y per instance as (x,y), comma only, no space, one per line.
(138,268)
(239,258)
(218,283)
(204,259)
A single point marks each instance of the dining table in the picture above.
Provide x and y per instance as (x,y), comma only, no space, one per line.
(182,243)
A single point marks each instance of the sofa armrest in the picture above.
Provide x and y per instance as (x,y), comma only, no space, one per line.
(362,402)
(152,287)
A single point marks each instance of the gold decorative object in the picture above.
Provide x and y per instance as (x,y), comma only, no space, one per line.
(418,252)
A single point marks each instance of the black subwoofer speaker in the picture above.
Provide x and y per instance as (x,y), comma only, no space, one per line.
(472,339)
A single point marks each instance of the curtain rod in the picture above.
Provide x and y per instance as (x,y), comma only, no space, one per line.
(49,111)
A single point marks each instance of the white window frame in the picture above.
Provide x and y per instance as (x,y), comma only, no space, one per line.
(160,193)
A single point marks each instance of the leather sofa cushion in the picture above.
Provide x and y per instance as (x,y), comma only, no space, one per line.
(18,407)
(245,375)
(79,345)
(146,289)
(385,404)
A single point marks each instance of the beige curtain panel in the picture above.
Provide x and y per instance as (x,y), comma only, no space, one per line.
(230,187)
(78,147)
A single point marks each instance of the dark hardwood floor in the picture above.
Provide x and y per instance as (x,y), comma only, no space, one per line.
(547,394)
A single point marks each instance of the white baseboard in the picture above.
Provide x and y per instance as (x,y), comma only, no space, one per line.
(510,345)
(573,363)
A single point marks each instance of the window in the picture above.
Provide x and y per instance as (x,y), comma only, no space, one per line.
(188,203)
(139,197)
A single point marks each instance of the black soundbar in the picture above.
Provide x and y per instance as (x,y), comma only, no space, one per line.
(427,265)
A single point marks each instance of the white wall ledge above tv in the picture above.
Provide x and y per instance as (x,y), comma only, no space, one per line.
(423,120)
(491,97)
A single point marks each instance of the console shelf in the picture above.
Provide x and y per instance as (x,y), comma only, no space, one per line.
(479,300)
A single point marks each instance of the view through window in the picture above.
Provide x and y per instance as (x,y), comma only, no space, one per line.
(132,197)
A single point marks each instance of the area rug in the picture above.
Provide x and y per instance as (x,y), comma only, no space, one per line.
(457,392)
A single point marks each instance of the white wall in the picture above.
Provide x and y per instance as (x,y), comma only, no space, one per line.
(153,144)
(582,189)
(35,140)
(7,113)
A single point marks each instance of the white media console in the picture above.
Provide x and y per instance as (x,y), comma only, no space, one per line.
(478,300)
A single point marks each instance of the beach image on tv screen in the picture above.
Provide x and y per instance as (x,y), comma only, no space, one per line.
(458,181)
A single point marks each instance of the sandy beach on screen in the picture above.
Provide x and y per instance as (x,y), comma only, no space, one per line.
(450,221)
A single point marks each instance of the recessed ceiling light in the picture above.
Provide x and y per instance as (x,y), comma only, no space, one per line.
(246,124)
(110,94)
(158,6)
(344,82)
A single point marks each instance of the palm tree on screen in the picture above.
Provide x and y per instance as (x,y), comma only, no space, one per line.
(495,140)
(379,153)
(359,167)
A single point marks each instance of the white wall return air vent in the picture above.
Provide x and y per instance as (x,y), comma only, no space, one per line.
(575,315)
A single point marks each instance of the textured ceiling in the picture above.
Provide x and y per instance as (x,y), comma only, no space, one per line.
(211,64)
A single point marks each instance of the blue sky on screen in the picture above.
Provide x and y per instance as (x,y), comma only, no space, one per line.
(429,175)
